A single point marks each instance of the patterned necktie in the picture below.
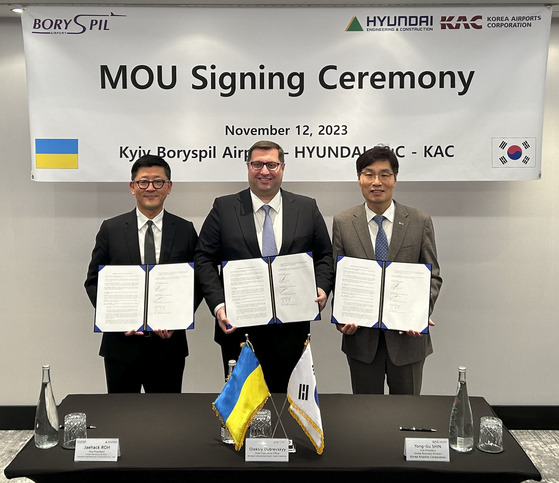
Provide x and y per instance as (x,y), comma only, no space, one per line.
(381,243)
(269,248)
(149,246)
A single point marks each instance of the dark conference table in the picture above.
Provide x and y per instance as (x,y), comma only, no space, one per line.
(175,437)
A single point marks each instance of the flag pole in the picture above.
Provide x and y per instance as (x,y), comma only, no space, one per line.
(249,343)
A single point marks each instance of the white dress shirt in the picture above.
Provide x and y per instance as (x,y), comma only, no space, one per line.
(157,232)
(387,223)
(275,214)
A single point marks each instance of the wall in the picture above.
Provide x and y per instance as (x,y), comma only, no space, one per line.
(497,241)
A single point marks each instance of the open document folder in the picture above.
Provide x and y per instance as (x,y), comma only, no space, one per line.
(270,290)
(145,297)
(382,295)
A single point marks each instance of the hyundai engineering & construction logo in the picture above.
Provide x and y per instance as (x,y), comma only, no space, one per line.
(394,23)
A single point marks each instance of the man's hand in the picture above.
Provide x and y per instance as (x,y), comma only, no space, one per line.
(347,329)
(133,332)
(223,321)
(414,333)
(164,333)
(321,299)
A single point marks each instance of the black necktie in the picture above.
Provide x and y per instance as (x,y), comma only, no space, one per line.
(149,246)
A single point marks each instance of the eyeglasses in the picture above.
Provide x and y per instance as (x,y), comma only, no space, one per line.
(371,176)
(143,184)
(258,165)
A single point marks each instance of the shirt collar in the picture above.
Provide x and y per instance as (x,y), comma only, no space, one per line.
(275,203)
(143,219)
(388,214)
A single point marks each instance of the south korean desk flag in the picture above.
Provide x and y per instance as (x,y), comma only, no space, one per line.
(303,398)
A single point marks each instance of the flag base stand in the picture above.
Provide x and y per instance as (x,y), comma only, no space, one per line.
(290,443)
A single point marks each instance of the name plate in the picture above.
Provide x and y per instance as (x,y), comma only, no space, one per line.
(97,449)
(267,449)
(426,449)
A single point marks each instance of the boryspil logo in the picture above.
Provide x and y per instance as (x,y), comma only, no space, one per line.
(79,24)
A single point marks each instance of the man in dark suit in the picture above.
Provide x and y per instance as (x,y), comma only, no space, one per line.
(135,359)
(233,231)
(373,354)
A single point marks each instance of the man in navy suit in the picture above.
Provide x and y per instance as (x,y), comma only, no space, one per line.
(233,231)
(134,359)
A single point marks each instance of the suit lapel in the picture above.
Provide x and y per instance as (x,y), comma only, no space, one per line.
(361,227)
(399,229)
(131,236)
(245,216)
(289,220)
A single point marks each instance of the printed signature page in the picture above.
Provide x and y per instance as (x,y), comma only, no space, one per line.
(171,296)
(406,296)
(294,287)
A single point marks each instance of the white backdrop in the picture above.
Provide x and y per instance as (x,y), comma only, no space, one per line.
(457,91)
(497,241)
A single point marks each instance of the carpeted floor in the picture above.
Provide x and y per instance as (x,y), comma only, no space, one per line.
(10,444)
(543,449)
(541,446)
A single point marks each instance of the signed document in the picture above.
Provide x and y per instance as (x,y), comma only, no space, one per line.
(270,290)
(382,295)
(144,298)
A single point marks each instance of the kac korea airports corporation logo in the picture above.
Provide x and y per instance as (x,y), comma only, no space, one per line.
(79,24)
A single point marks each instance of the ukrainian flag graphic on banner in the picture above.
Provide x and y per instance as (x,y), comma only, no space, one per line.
(56,153)
(244,394)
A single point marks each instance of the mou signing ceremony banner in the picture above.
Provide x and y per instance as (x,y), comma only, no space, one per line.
(458,92)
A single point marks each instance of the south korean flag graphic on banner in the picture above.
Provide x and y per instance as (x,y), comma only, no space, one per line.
(513,152)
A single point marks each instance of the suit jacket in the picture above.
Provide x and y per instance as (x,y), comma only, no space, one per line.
(229,233)
(117,243)
(413,240)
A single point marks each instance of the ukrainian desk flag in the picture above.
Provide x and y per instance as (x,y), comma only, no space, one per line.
(244,394)
(56,153)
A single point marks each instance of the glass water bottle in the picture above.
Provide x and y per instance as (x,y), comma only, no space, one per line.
(461,427)
(225,436)
(46,415)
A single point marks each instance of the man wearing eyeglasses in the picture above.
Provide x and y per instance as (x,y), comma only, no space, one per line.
(137,359)
(383,229)
(233,230)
